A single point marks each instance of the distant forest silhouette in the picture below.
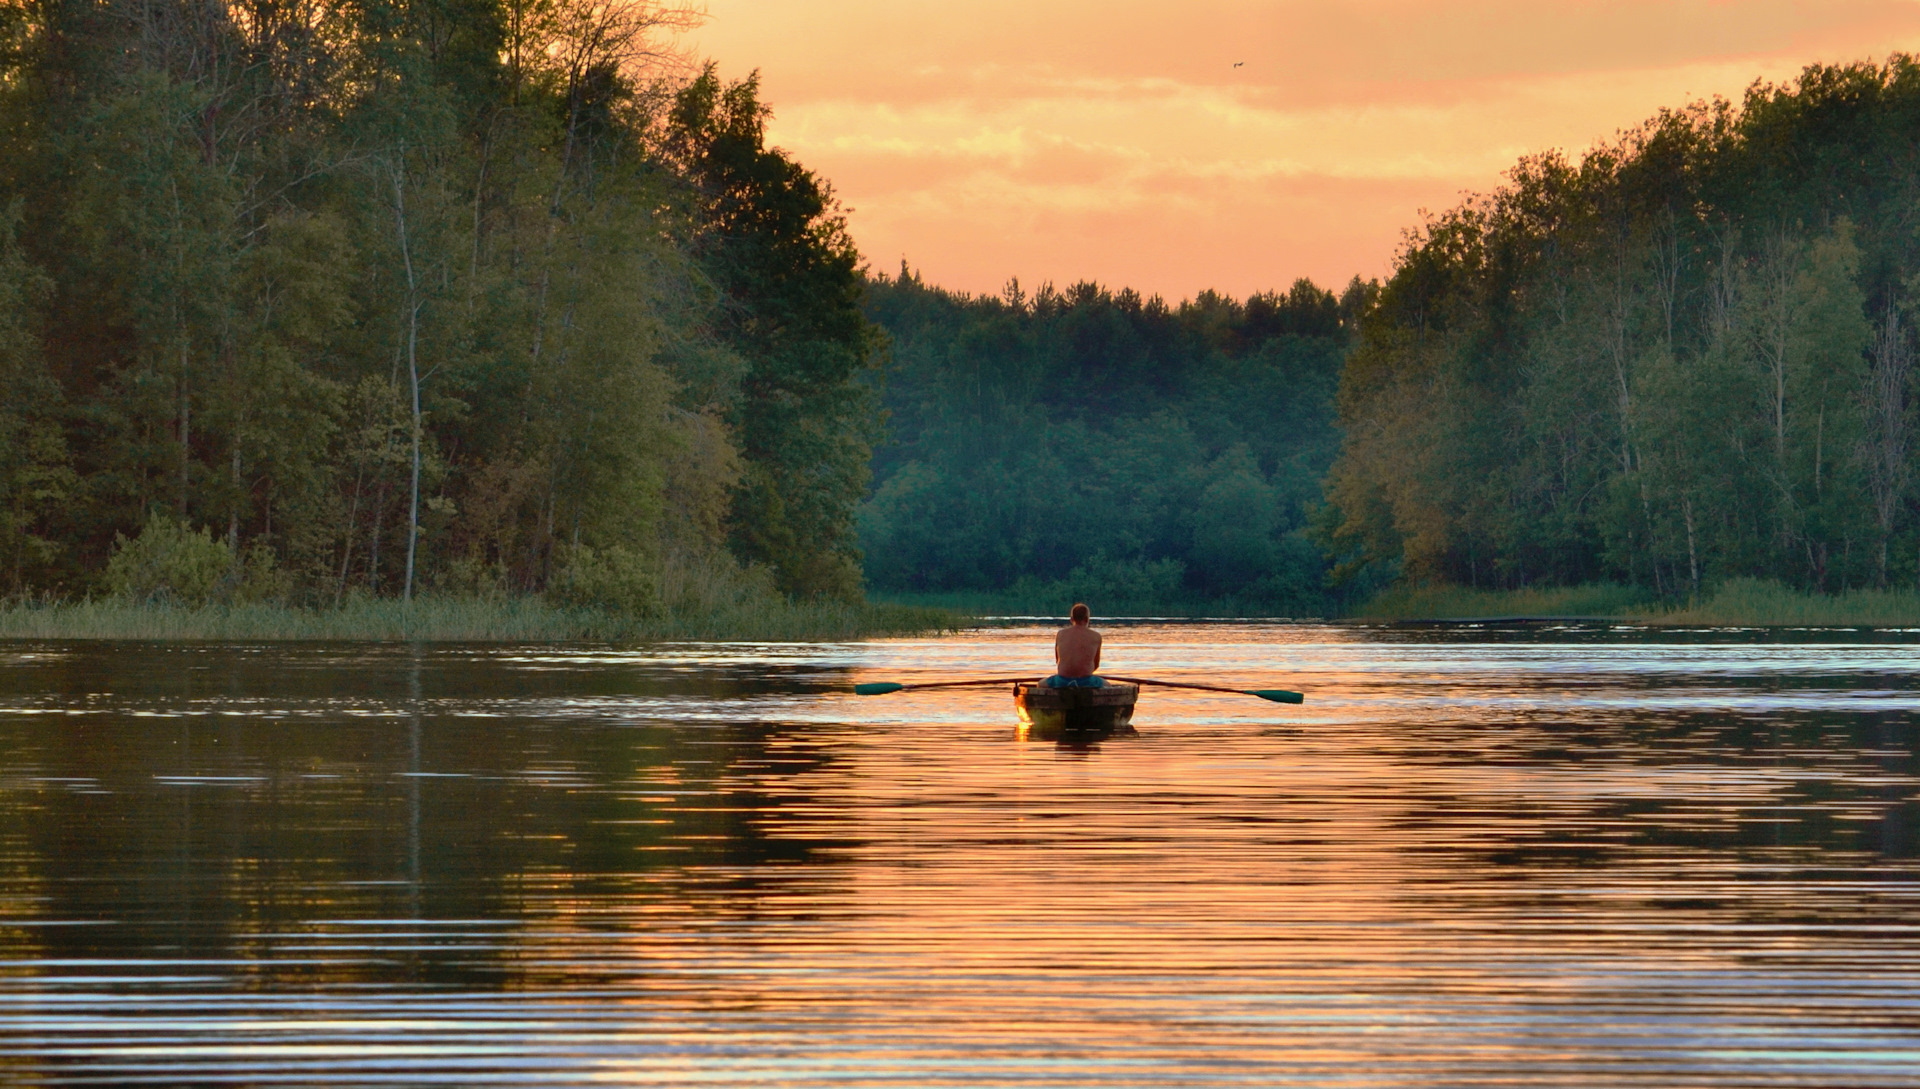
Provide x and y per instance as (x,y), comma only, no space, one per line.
(1685,358)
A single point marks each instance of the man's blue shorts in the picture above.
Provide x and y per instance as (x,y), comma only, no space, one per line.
(1057,681)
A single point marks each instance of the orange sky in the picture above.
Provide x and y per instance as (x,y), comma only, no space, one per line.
(1114,140)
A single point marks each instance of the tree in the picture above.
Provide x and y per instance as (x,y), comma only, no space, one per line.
(34,475)
(771,237)
(1888,440)
(324,279)
(1650,364)
(1183,484)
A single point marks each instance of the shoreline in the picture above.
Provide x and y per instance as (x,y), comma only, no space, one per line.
(462,620)
(1738,604)
(1742,603)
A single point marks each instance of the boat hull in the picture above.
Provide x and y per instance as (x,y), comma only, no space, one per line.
(1058,711)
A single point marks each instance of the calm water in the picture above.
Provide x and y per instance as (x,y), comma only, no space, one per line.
(1471,858)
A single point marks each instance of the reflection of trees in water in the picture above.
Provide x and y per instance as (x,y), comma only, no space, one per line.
(308,791)
(567,821)
(1821,770)
(1711,817)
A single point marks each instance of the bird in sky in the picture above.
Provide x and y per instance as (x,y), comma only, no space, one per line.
(1238,64)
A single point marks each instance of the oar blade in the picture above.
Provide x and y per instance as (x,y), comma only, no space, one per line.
(877,688)
(1278,695)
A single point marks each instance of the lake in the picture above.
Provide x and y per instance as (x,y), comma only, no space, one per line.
(1474,857)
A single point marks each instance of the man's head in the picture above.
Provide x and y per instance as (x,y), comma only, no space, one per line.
(1079,615)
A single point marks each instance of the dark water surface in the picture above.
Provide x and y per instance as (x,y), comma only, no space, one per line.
(1471,858)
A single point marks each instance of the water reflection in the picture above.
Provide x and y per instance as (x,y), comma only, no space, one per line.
(1473,857)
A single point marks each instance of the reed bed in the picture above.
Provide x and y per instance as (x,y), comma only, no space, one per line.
(1599,601)
(1754,603)
(719,609)
(463,619)
(1764,603)
(1015,603)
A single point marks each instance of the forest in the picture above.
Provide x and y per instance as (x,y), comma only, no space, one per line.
(1685,359)
(1094,445)
(312,301)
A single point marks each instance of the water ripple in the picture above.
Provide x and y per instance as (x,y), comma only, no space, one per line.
(1596,855)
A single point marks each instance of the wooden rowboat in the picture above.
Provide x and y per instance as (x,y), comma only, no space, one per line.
(1053,711)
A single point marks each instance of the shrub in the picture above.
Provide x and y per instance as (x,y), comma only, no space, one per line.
(717,584)
(471,576)
(260,578)
(615,578)
(168,561)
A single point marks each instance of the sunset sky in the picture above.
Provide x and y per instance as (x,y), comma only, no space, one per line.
(1116,140)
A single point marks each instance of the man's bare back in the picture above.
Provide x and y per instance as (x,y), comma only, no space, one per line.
(1076,647)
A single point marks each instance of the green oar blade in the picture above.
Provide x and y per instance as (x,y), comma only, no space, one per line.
(1278,695)
(878,688)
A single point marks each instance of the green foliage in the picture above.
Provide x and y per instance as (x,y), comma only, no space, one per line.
(35,478)
(1680,361)
(455,294)
(1234,523)
(1147,457)
(169,561)
(261,579)
(1121,587)
(775,244)
(615,579)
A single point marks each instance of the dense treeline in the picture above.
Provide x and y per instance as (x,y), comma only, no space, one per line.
(1686,358)
(307,301)
(1101,445)
(311,299)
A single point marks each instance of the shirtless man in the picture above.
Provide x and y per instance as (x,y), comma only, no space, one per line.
(1076,654)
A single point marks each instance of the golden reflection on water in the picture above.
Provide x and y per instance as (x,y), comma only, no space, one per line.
(1469,859)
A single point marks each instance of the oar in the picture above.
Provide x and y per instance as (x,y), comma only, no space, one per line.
(1277,695)
(881,688)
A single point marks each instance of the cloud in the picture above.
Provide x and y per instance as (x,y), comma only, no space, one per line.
(1116,141)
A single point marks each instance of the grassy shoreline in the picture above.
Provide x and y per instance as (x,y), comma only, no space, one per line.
(1015,603)
(462,619)
(1736,603)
